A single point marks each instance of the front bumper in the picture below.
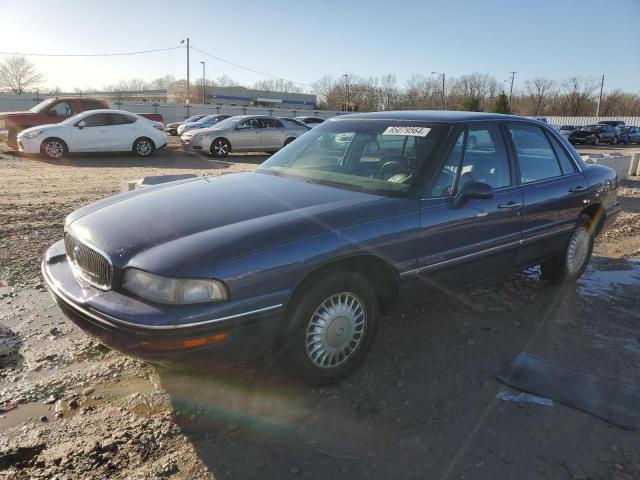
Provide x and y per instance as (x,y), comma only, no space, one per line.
(250,333)
(4,134)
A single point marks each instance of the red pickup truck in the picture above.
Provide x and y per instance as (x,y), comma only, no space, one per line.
(52,110)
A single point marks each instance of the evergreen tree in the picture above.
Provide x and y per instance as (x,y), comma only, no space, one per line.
(471,104)
(501,105)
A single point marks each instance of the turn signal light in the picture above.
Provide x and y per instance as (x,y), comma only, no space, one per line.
(187,343)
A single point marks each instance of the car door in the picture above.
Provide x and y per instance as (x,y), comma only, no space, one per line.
(553,189)
(247,135)
(479,238)
(273,132)
(122,132)
(91,133)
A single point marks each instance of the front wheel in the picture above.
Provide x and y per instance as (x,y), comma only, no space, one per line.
(596,141)
(53,148)
(144,147)
(572,261)
(220,148)
(331,327)
(615,140)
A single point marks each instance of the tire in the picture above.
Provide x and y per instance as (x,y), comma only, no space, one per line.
(596,141)
(569,265)
(321,351)
(144,147)
(615,140)
(220,148)
(288,141)
(53,148)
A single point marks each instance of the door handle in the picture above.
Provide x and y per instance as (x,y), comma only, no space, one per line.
(510,205)
(577,188)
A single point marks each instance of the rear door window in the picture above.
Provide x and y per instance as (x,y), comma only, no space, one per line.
(91,105)
(121,119)
(536,157)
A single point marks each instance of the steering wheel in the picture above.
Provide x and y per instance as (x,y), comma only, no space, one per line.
(391,168)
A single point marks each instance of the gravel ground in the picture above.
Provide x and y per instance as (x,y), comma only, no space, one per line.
(422,406)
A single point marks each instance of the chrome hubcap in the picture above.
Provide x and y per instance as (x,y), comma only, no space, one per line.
(143,148)
(54,149)
(336,330)
(220,148)
(578,249)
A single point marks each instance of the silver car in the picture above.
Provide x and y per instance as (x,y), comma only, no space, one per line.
(244,133)
(205,122)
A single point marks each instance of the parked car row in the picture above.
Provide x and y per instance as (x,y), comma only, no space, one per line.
(606,131)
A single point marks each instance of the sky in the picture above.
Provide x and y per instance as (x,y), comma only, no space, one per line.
(302,40)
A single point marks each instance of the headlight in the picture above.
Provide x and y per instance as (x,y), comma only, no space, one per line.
(176,291)
(31,135)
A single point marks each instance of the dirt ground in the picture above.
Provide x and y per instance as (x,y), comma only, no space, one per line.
(423,404)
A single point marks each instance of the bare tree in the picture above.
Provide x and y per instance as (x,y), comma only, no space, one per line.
(539,92)
(225,81)
(163,82)
(577,94)
(17,74)
(480,86)
(277,85)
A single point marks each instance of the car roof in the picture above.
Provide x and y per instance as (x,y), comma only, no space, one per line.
(431,116)
(109,110)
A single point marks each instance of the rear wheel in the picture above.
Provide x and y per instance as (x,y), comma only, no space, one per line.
(53,148)
(569,264)
(615,140)
(144,147)
(596,141)
(220,148)
(331,327)
(288,141)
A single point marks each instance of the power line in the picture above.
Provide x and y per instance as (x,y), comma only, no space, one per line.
(248,68)
(118,54)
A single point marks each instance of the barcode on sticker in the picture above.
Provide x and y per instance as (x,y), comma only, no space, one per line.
(408,131)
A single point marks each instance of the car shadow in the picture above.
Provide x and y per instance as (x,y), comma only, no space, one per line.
(10,358)
(423,403)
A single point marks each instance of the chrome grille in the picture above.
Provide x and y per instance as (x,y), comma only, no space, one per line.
(89,264)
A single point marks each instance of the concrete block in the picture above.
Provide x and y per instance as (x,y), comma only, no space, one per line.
(620,164)
(635,164)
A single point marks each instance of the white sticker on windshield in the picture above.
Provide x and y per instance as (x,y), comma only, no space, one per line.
(408,131)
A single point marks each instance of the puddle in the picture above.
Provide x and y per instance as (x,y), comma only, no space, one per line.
(604,276)
(105,393)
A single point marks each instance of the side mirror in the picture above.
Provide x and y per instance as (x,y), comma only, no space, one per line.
(473,189)
(81,124)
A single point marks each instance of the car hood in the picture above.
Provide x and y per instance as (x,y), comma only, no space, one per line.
(224,217)
(40,128)
(16,114)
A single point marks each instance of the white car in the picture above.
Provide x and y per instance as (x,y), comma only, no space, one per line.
(95,131)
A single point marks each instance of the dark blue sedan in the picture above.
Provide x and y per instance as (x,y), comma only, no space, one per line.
(305,255)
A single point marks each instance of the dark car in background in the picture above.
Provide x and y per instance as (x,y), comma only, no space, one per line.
(595,135)
(613,123)
(304,256)
(310,121)
(172,128)
(631,134)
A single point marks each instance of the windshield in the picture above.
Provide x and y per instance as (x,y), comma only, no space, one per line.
(374,156)
(204,119)
(567,127)
(590,128)
(228,123)
(193,118)
(41,106)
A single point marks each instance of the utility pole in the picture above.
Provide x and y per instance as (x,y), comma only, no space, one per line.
(513,77)
(204,84)
(600,97)
(188,79)
(444,93)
